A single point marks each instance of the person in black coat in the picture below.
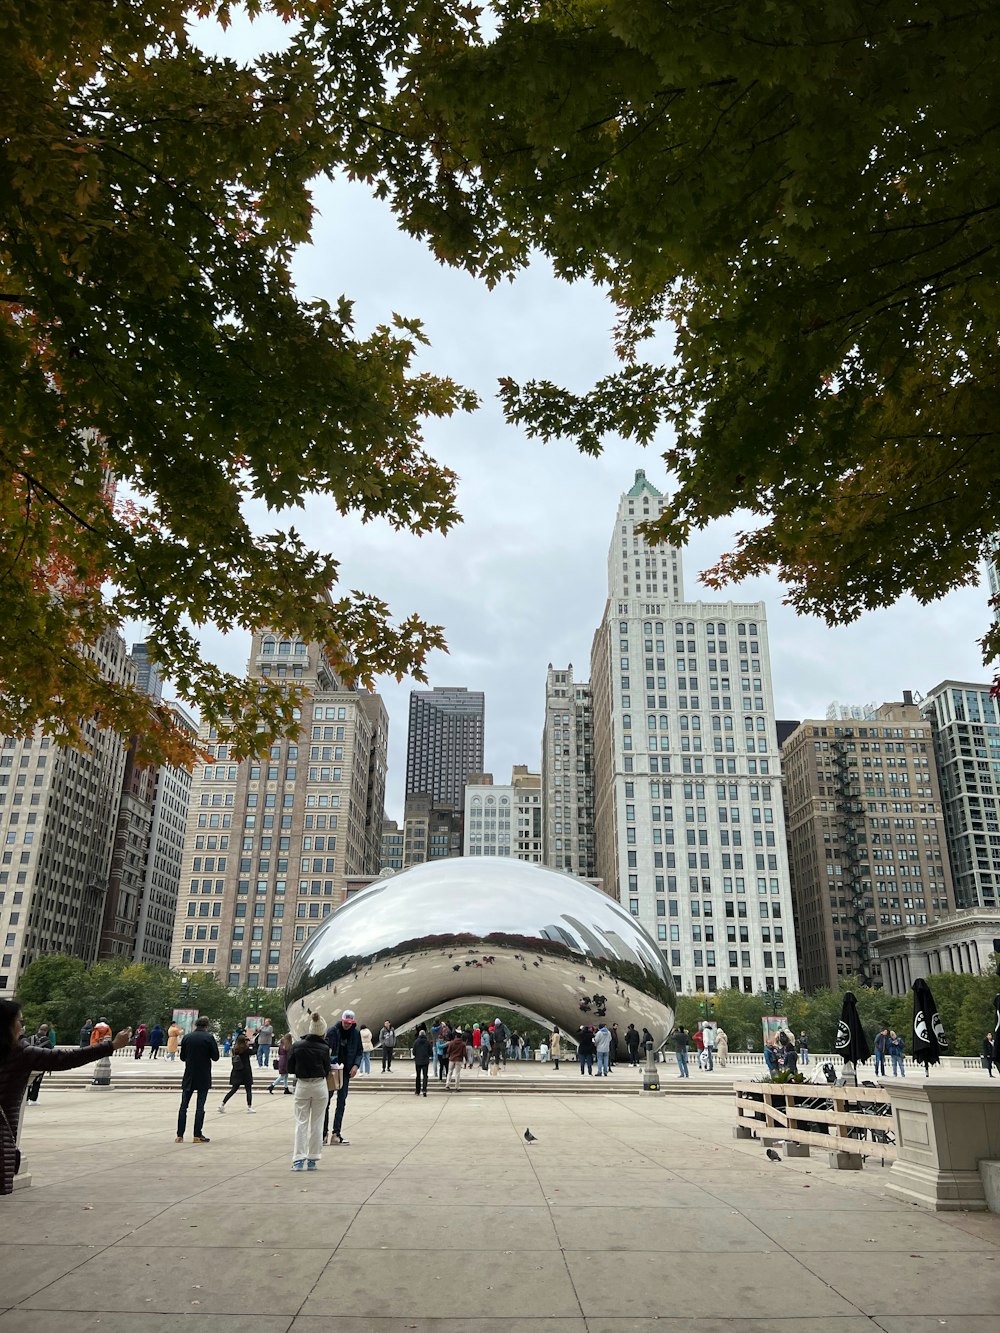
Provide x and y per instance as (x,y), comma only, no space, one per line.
(587,1049)
(344,1041)
(421,1059)
(241,1074)
(632,1044)
(199,1050)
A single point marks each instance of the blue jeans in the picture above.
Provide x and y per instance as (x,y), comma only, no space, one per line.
(880,1062)
(587,1060)
(602,1063)
(263,1056)
(804,1055)
(682,1063)
(897,1065)
(365,1064)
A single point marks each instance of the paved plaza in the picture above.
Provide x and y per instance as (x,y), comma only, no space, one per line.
(630,1212)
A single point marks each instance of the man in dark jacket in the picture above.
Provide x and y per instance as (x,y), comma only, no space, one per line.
(632,1044)
(199,1050)
(344,1041)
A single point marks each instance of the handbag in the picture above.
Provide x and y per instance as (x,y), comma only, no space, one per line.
(17,1150)
(335,1079)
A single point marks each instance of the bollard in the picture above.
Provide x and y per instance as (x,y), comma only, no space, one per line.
(102,1073)
(650,1078)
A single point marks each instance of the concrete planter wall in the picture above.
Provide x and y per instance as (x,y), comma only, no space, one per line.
(943,1132)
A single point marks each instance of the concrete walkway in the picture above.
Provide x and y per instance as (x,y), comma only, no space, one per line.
(628,1214)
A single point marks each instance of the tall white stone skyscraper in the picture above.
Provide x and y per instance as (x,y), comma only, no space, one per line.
(688,822)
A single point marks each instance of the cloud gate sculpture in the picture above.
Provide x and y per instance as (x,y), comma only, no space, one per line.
(474,930)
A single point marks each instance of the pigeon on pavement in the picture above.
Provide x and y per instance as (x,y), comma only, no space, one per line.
(529,1137)
(773,1156)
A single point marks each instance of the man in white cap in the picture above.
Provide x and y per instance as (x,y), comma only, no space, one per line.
(344,1041)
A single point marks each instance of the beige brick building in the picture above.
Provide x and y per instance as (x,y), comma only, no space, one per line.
(270,842)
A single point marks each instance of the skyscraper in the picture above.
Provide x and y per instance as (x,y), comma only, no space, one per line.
(270,841)
(568,774)
(965,724)
(58,815)
(444,744)
(688,823)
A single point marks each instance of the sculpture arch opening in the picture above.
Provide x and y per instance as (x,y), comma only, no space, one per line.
(472,930)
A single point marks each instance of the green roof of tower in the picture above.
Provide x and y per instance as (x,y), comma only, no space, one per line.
(642,484)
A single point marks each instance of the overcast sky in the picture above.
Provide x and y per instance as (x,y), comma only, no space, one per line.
(523,581)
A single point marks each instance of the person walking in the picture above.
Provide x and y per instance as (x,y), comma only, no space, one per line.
(85,1032)
(20,1061)
(708,1048)
(241,1074)
(198,1051)
(265,1037)
(602,1044)
(456,1061)
(989,1054)
(309,1060)
(344,1042)
(554,1046)
(721,1048)
(498,1050)
(586,1050)
(485,1043)
(881,1048)
(284,1047)
(421,1059)
(897,1054)
(155,1041)
(174,1034)
(41,1038)
(365,1033)
(387,1040)
(140,1040)
(681,1040)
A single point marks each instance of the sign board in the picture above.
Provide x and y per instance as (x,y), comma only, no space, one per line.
(254,1021)
(185,1019)
(772,1025)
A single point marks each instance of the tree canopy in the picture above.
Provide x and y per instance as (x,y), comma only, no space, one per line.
(151,196)
(805,197)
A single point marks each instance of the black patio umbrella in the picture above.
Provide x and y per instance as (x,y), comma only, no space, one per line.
(851,1041)
(929,1040)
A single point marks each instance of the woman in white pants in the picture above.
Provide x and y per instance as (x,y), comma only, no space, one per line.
(309,1061)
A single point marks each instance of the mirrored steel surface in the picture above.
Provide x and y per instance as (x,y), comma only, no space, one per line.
(472,930)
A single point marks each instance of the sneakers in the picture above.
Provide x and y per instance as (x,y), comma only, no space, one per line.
(251,1110)
(312,1164)
(298,1164)
(179,1138)
(200,1138)
(222,1110)
(338,1139)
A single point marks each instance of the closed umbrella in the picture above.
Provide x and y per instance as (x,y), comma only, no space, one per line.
(929,1040)
(851,1043)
